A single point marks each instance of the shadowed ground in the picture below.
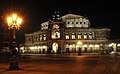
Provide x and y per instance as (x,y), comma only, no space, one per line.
(64,64)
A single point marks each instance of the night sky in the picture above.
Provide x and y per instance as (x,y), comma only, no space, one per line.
(35,12)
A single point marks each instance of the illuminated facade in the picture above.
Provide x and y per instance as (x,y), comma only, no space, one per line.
(67,34)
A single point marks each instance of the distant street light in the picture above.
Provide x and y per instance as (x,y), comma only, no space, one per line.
(14,23)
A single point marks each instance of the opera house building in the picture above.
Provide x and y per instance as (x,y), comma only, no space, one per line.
(70,33)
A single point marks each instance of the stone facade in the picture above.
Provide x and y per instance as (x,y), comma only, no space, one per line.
(69,33)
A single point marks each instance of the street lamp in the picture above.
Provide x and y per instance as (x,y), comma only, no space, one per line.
(79,43)
(14,23)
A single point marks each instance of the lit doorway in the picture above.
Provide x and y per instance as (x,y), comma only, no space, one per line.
(54,47)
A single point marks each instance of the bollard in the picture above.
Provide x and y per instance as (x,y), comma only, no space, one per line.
(79,52)
(14,63)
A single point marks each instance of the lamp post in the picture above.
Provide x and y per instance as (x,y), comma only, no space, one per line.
(14,23)
(79,50)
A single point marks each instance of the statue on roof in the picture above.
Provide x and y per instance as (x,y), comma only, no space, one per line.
(56,16)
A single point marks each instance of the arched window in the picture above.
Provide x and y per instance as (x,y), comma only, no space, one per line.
(85,35)
(90,36)
(40,37)
(73,35)
(44,38)
(79,36)
(55,47)
(67,36)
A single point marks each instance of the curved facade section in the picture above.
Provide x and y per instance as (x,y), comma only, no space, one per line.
(72,20)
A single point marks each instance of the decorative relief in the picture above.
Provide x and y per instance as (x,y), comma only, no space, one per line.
(28,40)
(101,35)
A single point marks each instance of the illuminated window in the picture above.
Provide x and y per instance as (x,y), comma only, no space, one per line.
(37,38)
(44,38)
(66,36)
(90,36)
(73,36)
(85,35)
(96,47)
(79,36)
(40,37)
(34,38)
(55,47)
(55,34)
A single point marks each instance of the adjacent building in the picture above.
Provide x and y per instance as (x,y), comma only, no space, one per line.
(70,33)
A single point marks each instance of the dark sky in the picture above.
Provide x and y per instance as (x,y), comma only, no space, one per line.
(34,12)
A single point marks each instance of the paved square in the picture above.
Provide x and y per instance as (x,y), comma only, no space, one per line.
(62,64)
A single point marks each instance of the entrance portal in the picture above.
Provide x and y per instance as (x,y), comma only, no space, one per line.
(54,47)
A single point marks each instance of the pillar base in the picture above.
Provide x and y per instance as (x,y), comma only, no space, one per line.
(14,63)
